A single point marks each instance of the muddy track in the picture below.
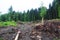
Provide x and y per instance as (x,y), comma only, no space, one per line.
(25,29)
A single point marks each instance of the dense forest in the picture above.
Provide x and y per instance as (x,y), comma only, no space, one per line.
(34,14)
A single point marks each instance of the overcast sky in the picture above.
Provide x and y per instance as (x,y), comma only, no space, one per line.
(21,5)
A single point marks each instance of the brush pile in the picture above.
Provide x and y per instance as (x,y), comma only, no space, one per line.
(48,31)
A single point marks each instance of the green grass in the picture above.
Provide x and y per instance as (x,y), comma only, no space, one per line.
(56,39)
(1,38)
(8,23)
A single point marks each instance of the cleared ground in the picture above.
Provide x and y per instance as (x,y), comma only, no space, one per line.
(29,31)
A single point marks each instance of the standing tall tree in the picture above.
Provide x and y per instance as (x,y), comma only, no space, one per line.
(10,9)
(58,7)
(24,16)
(28,19)
(10,13)
(0,16)
(42,13)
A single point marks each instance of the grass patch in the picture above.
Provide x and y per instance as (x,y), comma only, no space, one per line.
(8,23)
(1,38)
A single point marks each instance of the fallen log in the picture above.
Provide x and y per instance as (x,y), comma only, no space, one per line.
(16,38)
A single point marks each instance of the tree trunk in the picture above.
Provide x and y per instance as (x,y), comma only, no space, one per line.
(42,20)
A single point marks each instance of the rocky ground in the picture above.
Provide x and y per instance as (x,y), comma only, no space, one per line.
(29,31)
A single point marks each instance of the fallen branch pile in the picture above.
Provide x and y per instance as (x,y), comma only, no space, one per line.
(52,28)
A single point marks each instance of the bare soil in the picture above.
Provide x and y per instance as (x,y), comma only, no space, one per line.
(29,31)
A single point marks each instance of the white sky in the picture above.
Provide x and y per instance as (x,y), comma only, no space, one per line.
(21,5)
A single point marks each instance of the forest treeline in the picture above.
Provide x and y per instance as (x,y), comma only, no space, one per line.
(34,14)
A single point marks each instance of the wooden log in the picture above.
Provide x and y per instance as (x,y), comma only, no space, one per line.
(39,37)
(16,38)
